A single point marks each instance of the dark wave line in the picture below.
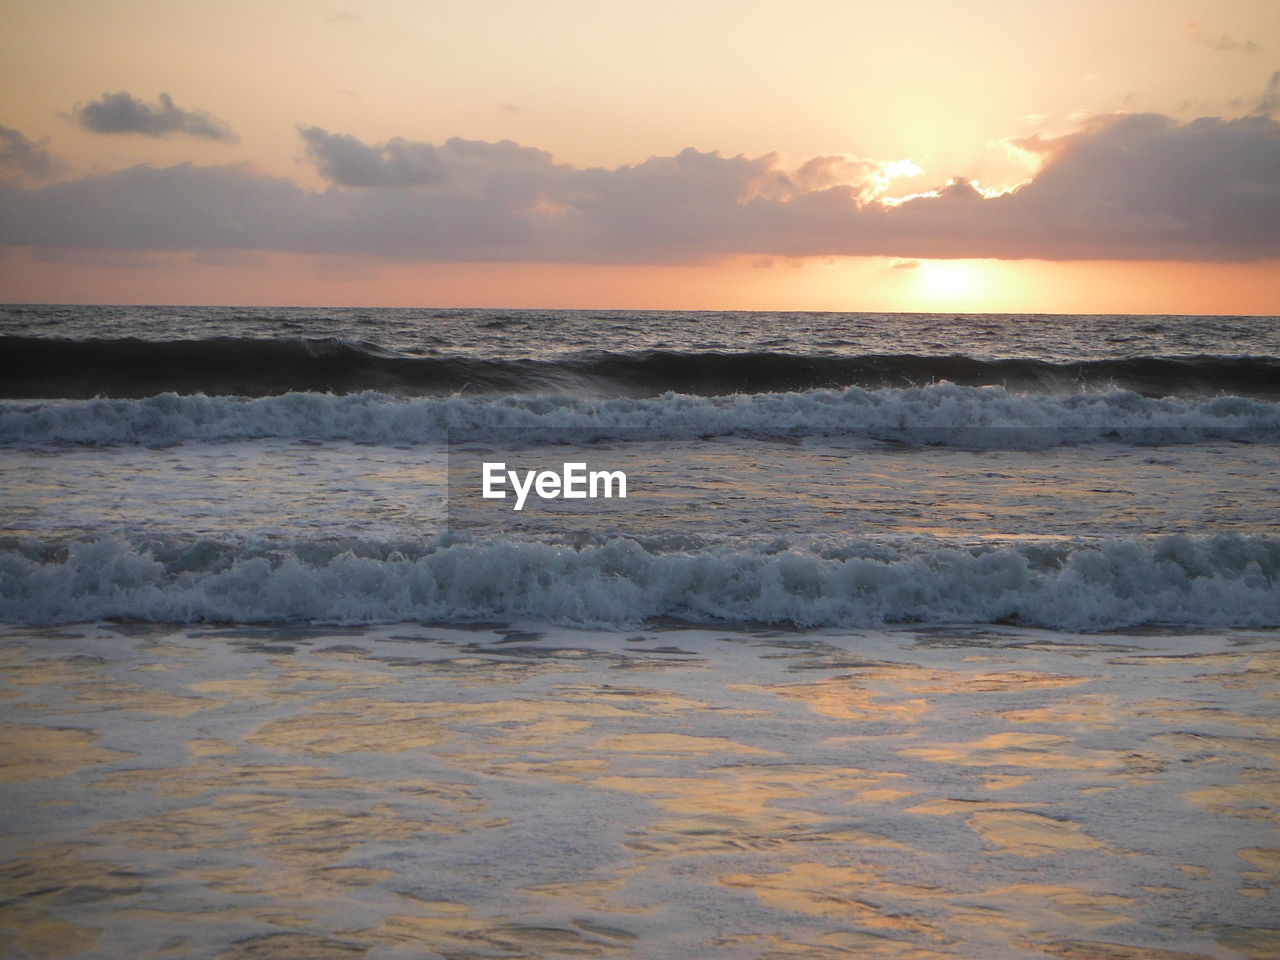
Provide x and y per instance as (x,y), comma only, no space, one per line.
(131,368)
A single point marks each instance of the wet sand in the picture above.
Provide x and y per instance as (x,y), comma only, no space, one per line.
(414,791)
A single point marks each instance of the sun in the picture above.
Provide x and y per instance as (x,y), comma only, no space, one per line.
(950,283)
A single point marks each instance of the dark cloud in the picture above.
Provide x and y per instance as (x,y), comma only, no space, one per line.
(349,162)
(189,207)
(124,113)
(1130,187)
(20,157)
(1223,41)
(1207,189)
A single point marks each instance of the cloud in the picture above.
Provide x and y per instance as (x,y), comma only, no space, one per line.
(124,113)
(1269,102)
(198,208)
(349,162)
(20,157)
(1223,41)
(1208,189)
(1128,187)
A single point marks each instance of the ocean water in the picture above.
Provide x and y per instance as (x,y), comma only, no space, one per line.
(804,469)
(915,636)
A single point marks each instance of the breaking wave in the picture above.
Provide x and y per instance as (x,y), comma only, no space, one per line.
(941,414)
(1226,580)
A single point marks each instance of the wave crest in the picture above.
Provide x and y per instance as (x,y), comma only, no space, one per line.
(1227,580)
(941,414)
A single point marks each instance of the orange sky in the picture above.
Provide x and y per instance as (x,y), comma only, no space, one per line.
(355,102)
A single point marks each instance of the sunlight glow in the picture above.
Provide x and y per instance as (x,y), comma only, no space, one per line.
(958,282)
(890,171)
(989,193)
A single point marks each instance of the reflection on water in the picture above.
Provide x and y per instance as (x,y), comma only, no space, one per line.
(410,791)
(276,489)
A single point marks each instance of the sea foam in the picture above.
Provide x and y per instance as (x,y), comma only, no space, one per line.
(940,414)
(1226,580)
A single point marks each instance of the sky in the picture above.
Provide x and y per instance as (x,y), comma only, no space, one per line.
(1049,157)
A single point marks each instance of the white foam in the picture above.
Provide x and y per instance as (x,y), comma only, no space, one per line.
(945,414)
(1226,580)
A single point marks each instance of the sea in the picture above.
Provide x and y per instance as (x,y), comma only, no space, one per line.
(914,635)
(810,469)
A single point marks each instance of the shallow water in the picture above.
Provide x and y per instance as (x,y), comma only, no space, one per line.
(409,791)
